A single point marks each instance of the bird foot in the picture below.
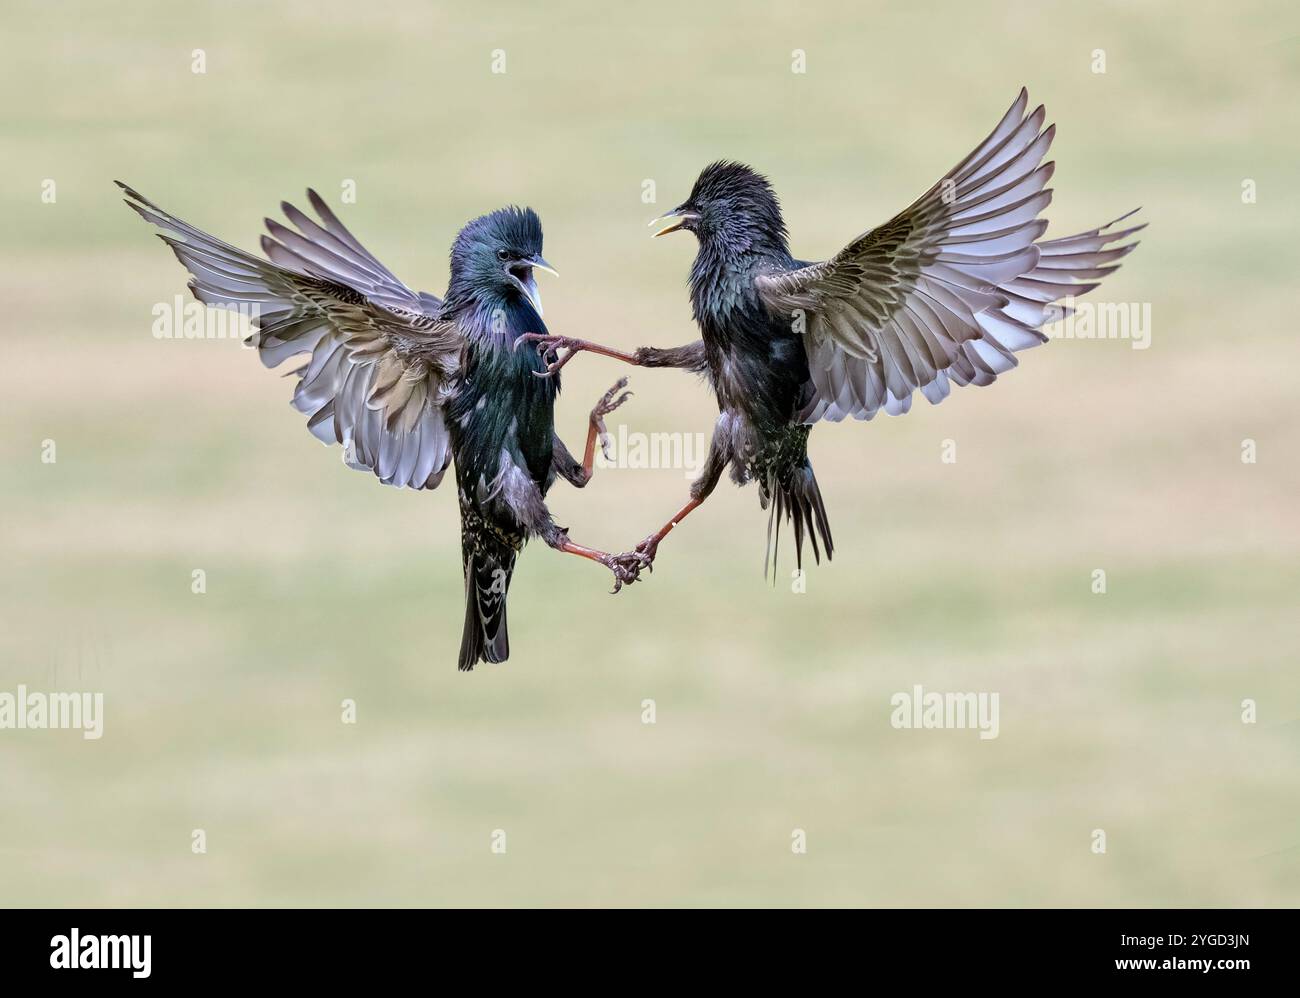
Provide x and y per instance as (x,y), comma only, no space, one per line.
(607,404)
(626,568)
(645,552)
(547,345)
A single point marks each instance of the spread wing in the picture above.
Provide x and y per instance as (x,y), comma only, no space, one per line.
(381,362)
(947,290)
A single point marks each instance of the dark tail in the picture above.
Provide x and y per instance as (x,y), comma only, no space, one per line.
(487,581)
(795,497)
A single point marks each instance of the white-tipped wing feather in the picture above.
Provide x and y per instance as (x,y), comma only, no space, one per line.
(947,290)
(382,363)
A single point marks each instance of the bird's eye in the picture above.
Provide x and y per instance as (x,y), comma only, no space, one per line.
(503,254)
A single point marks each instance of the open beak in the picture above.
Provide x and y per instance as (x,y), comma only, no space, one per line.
(681,215)
(529,283)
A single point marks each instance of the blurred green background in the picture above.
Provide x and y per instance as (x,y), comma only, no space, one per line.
(1119,711)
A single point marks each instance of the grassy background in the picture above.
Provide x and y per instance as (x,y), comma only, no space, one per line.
(1118,711)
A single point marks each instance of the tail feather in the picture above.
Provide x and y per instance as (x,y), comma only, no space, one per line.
(487,581)
(797,499)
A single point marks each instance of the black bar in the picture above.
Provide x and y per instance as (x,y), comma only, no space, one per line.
(327,947)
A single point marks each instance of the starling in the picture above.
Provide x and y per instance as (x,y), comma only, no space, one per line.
(406,382)
(946,292)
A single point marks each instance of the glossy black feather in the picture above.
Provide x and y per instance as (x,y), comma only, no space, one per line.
(756,361)
(501,417)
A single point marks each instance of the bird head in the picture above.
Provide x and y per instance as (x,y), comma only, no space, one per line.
(731,204)
(494,257)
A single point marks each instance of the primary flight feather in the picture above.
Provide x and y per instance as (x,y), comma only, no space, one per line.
(945,293)
(407,382)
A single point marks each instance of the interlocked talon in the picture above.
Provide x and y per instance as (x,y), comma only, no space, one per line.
(549,343)
(626,567)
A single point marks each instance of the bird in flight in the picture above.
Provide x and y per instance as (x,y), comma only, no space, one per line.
(945,293)
(406,382)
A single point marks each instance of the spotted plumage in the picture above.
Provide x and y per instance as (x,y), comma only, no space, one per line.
(945,293)
(407,382)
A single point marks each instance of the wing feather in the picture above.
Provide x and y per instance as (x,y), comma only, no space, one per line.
(381,361)
(951,288)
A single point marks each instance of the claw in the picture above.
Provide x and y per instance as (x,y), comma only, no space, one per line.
(548,343)
(626,568)
(555,366)
(645,554)
(607,404)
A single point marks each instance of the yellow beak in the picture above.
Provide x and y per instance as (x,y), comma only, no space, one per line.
(681,218)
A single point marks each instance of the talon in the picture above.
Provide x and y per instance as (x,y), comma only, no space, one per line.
(645,553)
(608,403)
(530,338)
(626,568)
(549,343)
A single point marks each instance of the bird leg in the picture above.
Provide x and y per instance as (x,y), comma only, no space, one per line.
(529,508)
(626,567)
(701,488)
(597,430)
(565,464)
(548,344)
(647,549)
(690,357)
